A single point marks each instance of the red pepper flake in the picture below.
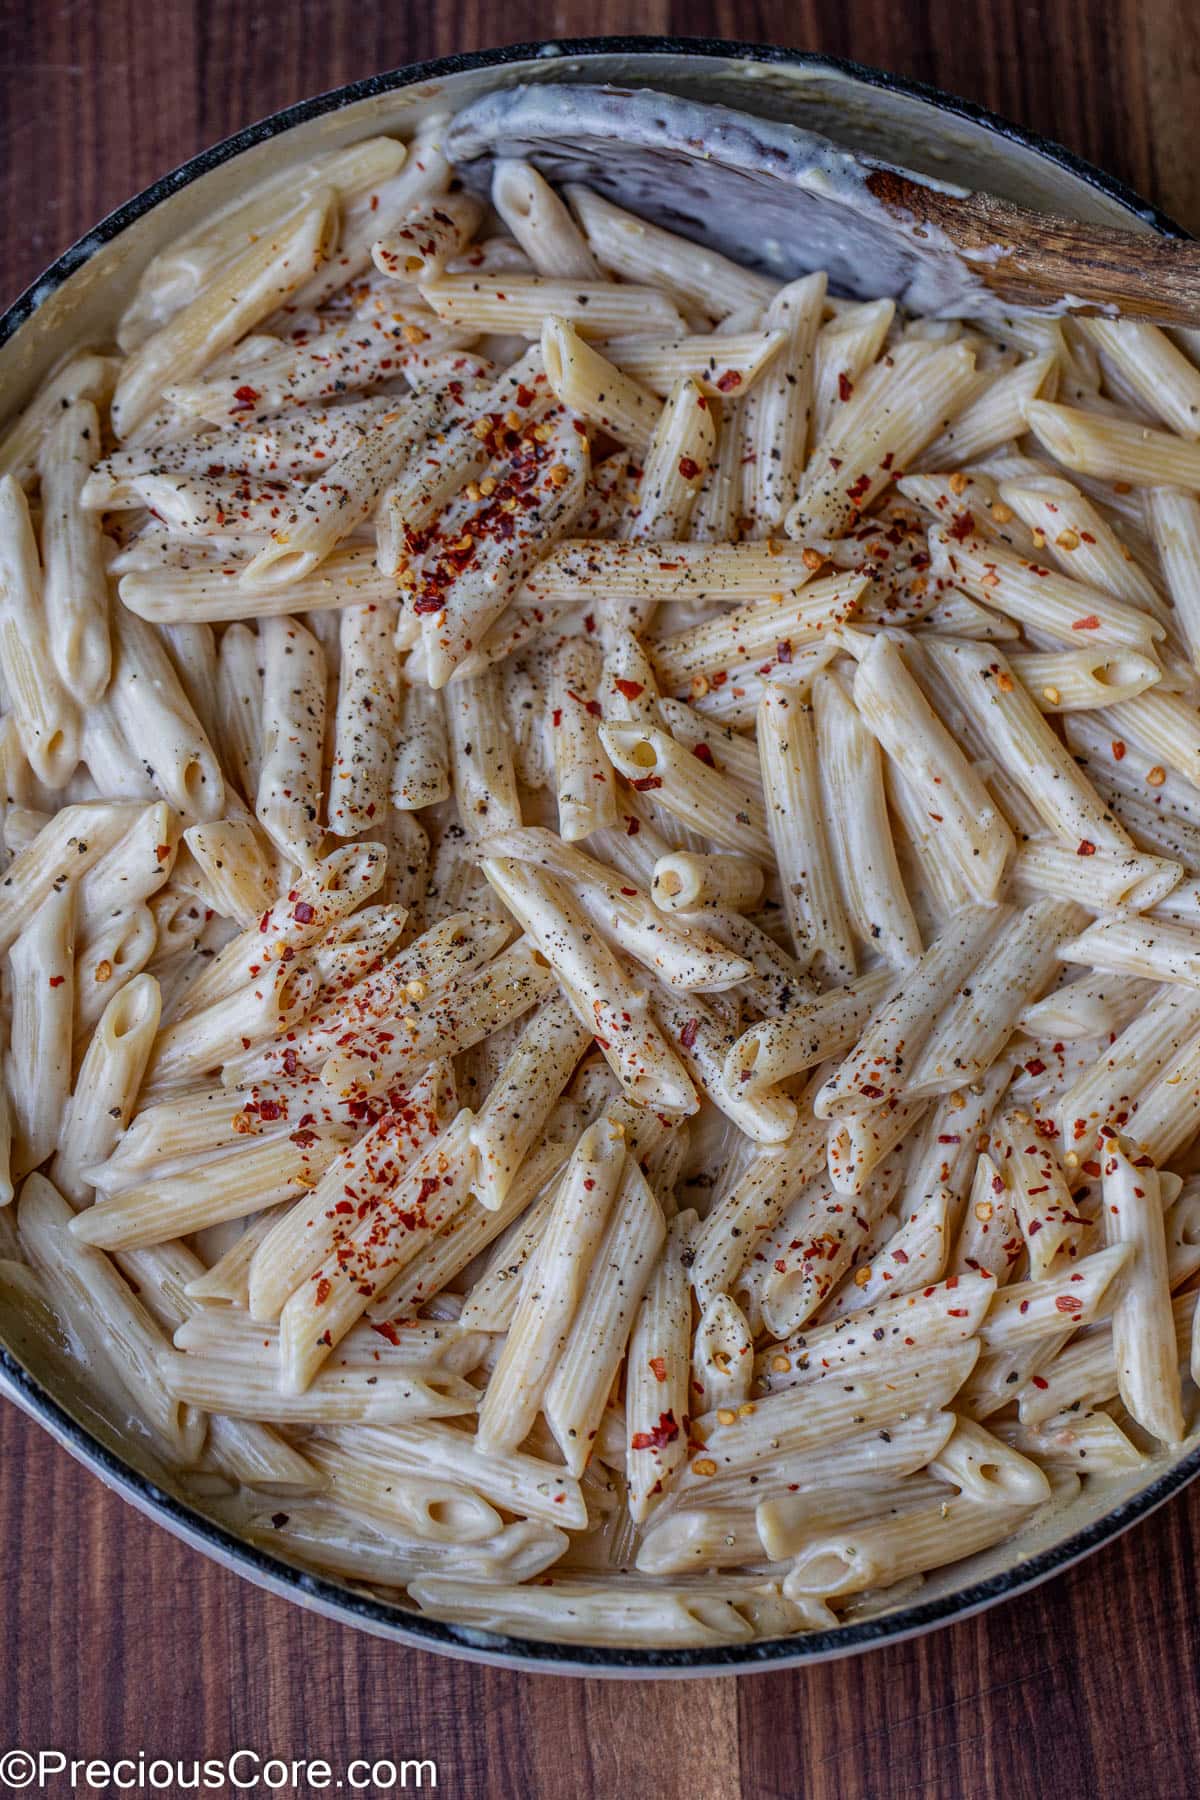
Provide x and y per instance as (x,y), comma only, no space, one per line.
(387,1330)
(783,650)
(961,527)
(1089,623)
(869,1092)
(524,395)
(1068,1303)
(845,385)
(957,1312)
(632,826)
(646,782)
(246,396)
(162,851)
(1092,1169)
(1035,1066)
(665,1432)
(630,689)
(703,754)
(323,1291)
(1086,847)
(1045,1128)
(557,717)
(860,488)
(659,1365)
(303,913)
(1039,1381)
(57,980)
(728,381)
(687,1036)
(689,468)
(1118,749)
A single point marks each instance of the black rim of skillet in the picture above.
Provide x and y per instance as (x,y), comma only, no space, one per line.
(354,1607)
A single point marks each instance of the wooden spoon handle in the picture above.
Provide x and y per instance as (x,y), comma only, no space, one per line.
(1030,259)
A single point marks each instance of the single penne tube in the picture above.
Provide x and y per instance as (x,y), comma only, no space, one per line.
(979,1020)
(1092,1006)
(754,1203)
(431,234)
(878,1068)
(150,707)
(119,949)
(230,866)
(657,1390)
(877,1553)
(725,364)
(1036,1188)
(578,569)
(787,1523)
(1161,725)
(517,305)
(779,410)
(1143,1330)
(363,1174)
(946,1312)
(892,706)
(453,1019)
(1167,1117)
(1107,1092)
(897,408)
(864,854)
(1160,374)
(227,1187)
(586,791)
(520,1483)
(257,1457)
(75,583)
(591,386)
(107,1085)
(288,801)
(232,1335)
(796,1419)
(722,1359)
(528,1087)
(699,796)
(212,592)
(1150,949)
(1026,1311)
(1173,519)
(806,1034)
(917,1252)
(334,1540)
(718,504)
(136,866)
(1065,523)
(995,416)
(1037,597)
(553,1288)
(677,459)
(540,222)
(633,249)
(444,1512)
(1114,449)
(986,1468)
(594,982)
(421,763)
(1107,881)
(239,705)
(366,719)
(481,756)
(245,291)
(47,719)
(374,1396)
(374,1249)
(1024,745)
(573,1400)
(41,970)
(1085,1444)
(847,344)
(109,1314)
(804,856)
(697,1540)
(684,881)
(576,1612)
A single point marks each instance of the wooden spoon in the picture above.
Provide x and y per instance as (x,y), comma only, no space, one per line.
(787,201)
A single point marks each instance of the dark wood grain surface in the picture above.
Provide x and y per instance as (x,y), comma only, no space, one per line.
(115,1638)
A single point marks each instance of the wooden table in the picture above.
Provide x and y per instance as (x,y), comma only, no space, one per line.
(117,1638)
